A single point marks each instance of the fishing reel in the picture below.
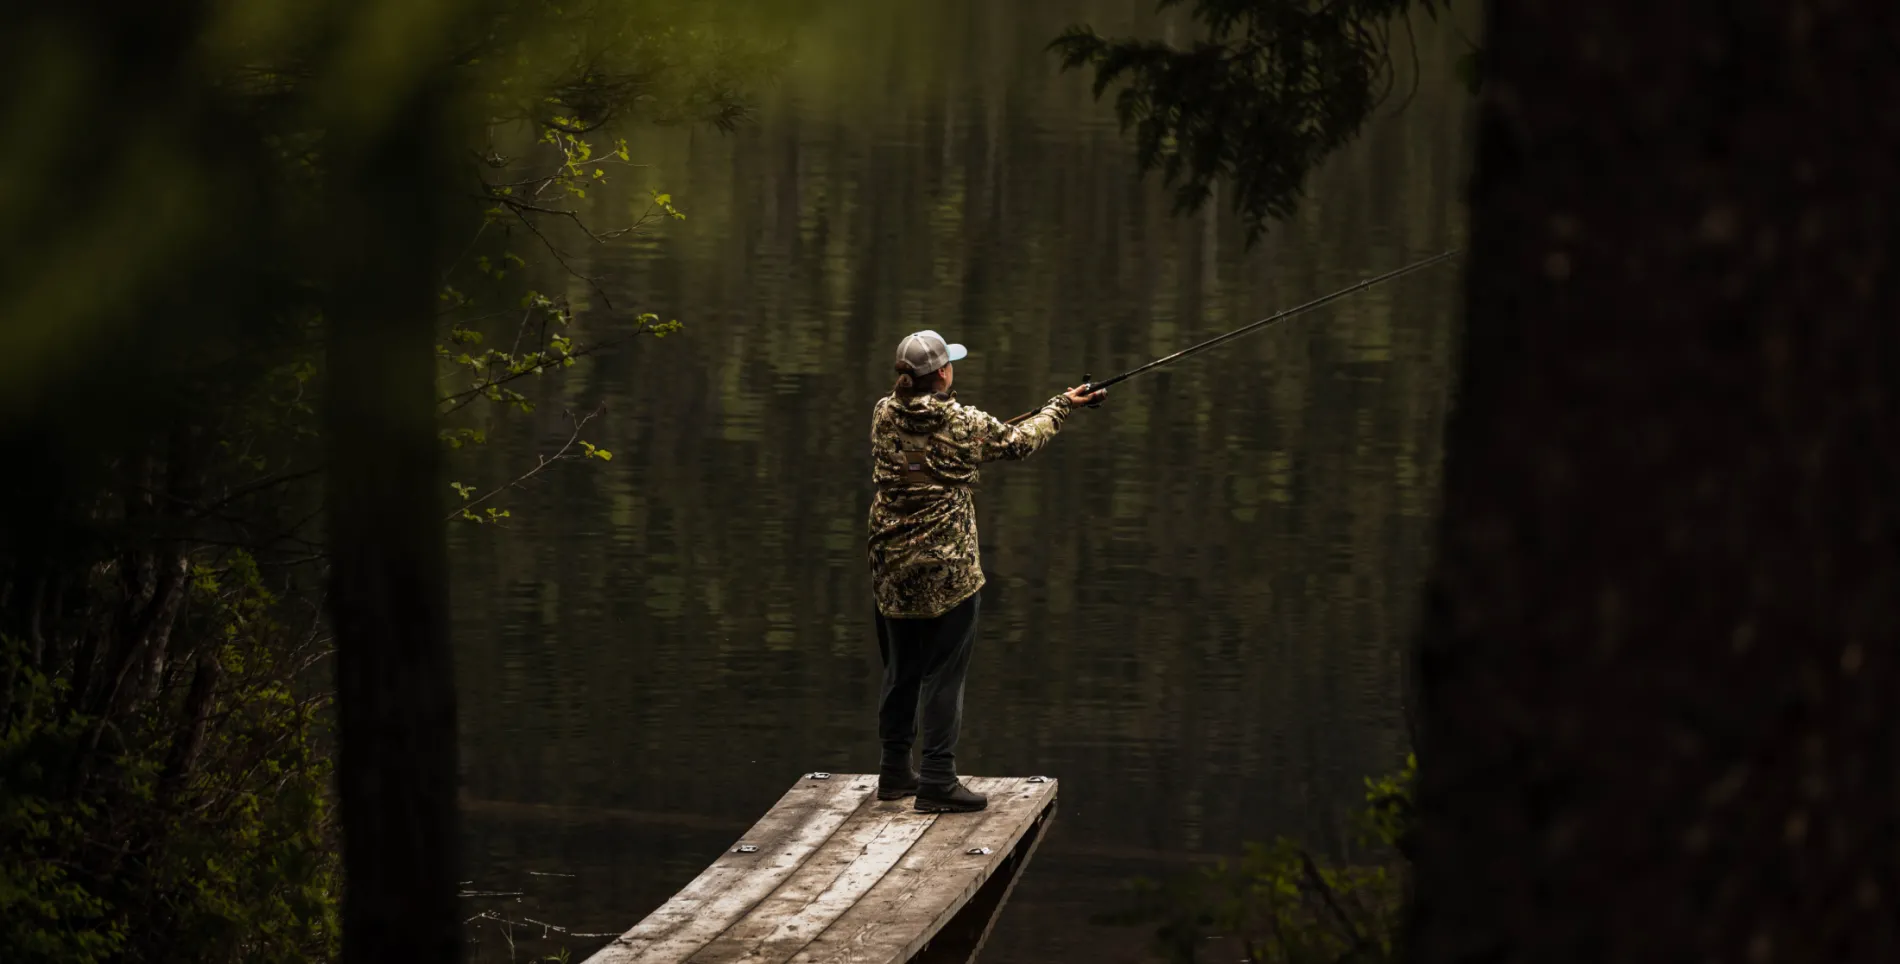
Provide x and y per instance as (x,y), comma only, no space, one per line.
(1088,385)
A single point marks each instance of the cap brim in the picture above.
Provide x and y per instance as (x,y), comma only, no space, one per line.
(957,352)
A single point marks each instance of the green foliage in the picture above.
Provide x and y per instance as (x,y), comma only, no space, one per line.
(1277,904)
(1388,816)
(45,914)
(153,824)
(458,437)
(539,345)
(163,786)
(490,515)
(1273,88)
(541,193)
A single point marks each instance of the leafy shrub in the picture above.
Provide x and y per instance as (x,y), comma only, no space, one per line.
(1281,905)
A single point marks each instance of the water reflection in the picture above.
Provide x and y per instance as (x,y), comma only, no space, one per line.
(1197,596)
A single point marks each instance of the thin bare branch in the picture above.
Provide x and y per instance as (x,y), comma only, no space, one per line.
(252,488)
(541,462)
(459,400)
(558,256)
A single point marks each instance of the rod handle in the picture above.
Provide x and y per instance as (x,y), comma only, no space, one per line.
(1088,384)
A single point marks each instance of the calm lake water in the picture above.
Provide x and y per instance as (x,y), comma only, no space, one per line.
(1198,597)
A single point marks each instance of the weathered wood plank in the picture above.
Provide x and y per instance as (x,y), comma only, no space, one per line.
(796,827)
(839,877)
(962,939)
(829,885)
(911,903)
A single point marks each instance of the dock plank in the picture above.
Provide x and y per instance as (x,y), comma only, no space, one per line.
(803,820)
(899,915)
(803,909)
(842,878)
(961,940)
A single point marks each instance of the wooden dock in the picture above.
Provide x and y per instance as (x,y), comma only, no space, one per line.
(832,875)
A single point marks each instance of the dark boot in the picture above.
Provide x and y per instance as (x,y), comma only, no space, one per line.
(951,798)
(896,786)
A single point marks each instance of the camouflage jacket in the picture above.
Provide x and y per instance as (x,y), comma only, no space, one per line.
(923,518)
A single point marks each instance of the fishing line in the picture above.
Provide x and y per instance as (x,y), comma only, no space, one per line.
(1255,326)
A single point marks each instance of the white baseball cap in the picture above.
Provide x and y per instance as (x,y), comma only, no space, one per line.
(923,352)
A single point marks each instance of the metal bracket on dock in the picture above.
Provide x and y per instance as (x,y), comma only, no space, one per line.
(1038,779)
(979,851)
(745,848)
(820,775)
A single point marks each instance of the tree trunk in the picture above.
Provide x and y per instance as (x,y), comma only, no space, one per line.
(1658,668)
(181,762)
(388,598)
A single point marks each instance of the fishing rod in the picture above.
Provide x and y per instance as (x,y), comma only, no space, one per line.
(1262,323)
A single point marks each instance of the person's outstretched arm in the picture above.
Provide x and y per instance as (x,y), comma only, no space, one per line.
(1004,441)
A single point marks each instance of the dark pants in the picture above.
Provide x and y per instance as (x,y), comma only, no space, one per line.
(925,661)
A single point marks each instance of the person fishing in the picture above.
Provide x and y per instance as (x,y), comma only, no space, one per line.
(924,568)
(925,574)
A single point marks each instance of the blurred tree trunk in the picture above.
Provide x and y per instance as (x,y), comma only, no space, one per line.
(1659,661)
(388,596)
